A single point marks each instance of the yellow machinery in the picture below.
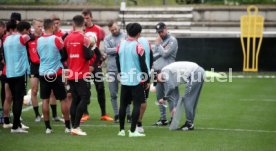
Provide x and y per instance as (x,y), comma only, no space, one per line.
(252,26)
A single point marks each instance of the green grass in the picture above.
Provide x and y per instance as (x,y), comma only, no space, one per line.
(223,109)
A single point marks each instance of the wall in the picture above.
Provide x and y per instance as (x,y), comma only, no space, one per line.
(100,15)
(224,53)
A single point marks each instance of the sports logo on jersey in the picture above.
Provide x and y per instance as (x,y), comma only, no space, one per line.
(74,56)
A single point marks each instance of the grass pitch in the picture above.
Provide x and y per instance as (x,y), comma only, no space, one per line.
(238,115)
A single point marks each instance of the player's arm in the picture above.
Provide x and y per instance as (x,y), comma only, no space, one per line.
(24,40)
(156,54)
(64,36)
(32,38)
(118,59)
(142,59)
(169,49)
(108,49)
(1,57)
(60,45)
(98,57)
(151,59)
(87,52)
(168,89)
(64,55)
(102,34)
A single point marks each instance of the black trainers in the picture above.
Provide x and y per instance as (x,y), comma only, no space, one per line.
(116,119)
(128,118)
(161,123)
(188,126)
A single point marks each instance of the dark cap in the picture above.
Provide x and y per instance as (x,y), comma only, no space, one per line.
(160,27)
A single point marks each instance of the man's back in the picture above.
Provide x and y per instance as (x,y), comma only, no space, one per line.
(74,43)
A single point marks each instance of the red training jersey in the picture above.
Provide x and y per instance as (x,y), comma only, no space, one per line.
(33,51)
(77,63)
(100,36)
(59,33)
(98,31)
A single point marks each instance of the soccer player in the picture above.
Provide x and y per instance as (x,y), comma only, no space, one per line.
(131,66)
(149,63)
(2,33)
(6,95)
(111,42)
(165,51)
(53,102)
(175,74)
(34,65)
(57,22)
(95,65)
(6,92)
(50,71)
(78,50)
(17,66)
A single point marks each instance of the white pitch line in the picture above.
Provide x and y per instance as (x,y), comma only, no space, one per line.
(256,76)
(258,100)
(39,104)
(165,127)
(30,107)
(238,130)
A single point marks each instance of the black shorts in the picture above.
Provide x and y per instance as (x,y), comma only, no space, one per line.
(34,70)
(133,93)
(3,78)
(46,85)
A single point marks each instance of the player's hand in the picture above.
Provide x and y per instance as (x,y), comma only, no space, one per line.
(92,45)
(173,111)
(158,40)
(91,69)
(104,56)
(161,101)
(147,86)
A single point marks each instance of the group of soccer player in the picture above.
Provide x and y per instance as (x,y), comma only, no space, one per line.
(64,63)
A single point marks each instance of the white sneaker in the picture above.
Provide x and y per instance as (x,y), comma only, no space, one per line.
(48,131)
(67,130)
(38,119)
(7,125)
(135,134)
(78,131)
(24,126)
(58,119)
(122,133)
(18,130)
(140,129)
